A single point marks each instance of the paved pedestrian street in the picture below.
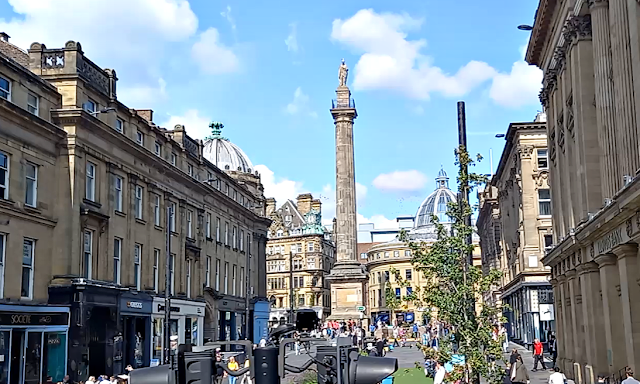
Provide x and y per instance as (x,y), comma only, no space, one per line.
(541,376)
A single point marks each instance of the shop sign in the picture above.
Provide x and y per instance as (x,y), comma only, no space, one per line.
(27,318)
(53,341)
(134,304)
(173,309)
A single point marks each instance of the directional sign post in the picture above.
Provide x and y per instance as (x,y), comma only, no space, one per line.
(361,308)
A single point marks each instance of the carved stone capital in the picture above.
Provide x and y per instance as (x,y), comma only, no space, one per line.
(525,151)
(605,259)
(626,250)
(577,27)
(598,3)
(571,274)
(588,267)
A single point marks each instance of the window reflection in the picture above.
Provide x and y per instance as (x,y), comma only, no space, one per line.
(33,358)
(4,357)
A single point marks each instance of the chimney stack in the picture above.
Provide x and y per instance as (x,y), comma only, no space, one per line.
(316,205)
(4,37)
(271,206)
(146,114)
(304,203)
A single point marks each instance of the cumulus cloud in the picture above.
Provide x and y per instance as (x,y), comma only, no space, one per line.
(390,61)
(280,188)
(292,39)
(197,126)
(141,95)
(379,221)
(212,55)
(400,181)
(300,104)
(113,33)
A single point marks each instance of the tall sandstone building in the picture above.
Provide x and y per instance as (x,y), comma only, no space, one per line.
(300,255)
(590,54)
(90,190)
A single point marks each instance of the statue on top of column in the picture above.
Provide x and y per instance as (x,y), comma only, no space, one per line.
(343,73)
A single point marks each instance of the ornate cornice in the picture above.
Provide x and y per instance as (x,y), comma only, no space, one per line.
(575,28)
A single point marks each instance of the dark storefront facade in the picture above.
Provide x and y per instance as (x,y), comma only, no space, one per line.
(33,343)
(135,326)
(109,327)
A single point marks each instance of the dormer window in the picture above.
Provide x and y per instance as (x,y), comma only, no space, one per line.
(287,218)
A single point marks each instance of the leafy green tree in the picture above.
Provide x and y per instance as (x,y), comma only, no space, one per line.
(455,288)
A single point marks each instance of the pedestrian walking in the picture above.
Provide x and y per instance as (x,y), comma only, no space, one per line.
(557,377)
(519,372)
(440,373)
(233,366)
(537,355)
(553,349)
(514,357)
(629,374)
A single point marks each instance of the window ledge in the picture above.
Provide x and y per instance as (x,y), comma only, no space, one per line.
(235,249)
(92,203)
(120,213)
(176,234)
(242,251)
(140,221)
(209,238)
(31,209)
(227,246)
(218,242)
(159,228)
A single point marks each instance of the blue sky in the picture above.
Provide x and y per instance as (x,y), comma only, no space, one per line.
(268,71)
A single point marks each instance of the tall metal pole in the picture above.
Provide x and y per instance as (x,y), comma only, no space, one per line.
(167,288)
(464,169)
(246,290)
(291,298)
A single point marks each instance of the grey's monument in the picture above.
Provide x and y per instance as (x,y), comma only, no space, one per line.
(348,276)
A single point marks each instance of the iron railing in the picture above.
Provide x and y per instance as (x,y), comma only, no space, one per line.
(340,103)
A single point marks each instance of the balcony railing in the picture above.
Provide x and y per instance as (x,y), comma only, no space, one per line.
(340,103)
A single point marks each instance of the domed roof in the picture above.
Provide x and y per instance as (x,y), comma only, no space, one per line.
(436,203)
(223,153)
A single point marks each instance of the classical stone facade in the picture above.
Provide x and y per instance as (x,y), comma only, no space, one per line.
(489,227)
(300,254)
(348,278)
(515,226)
(590,54)
(92,188)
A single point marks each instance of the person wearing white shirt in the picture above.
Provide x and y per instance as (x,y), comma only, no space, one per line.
(629,380)
(557,377)
(440,372)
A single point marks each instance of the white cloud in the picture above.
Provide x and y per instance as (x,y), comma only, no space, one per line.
(292,39)
(390,61)
(279,188)
(519,87)
(197,126)
(400,181)
(379,221)
(227,15)
(213,56)
(300,104)
(112,32)
(141,96)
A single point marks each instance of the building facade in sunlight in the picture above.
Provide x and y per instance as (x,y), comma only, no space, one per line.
(589,52)
(300,254)
(386,253)
(514,226)
(91,189)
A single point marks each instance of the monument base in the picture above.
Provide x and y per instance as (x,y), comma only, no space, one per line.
(348,283)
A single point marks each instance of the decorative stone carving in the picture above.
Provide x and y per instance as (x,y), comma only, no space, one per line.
(52,60)
(541,177)
(95,76)
(629,227)
(525,151)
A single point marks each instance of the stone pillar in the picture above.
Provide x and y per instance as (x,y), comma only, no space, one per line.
(567,326)
(594,321)
(559,317)
(605,104)
(630,299)
(625,106)
(348,277)
(576,324)
(612,310)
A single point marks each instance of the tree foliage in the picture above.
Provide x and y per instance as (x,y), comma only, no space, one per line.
(455,289)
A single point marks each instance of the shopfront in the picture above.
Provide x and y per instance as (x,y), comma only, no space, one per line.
(187,323)
(33,343)
(135,325)
(231,318)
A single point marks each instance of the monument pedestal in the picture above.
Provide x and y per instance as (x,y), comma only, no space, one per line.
(348,285)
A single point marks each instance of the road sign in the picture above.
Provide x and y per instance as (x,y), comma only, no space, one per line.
(361,308)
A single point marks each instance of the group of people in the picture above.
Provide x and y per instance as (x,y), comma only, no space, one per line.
(102,379)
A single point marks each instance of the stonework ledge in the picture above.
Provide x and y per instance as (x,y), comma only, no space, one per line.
(347,271)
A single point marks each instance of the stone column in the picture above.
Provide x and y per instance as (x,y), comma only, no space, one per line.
(559,318)
(605,103)
(630,299)
(594,320)
(567,326)
(576,323)
(612,310)
(625,106)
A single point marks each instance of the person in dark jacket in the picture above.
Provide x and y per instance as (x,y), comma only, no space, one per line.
(219,370)
(519,373)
